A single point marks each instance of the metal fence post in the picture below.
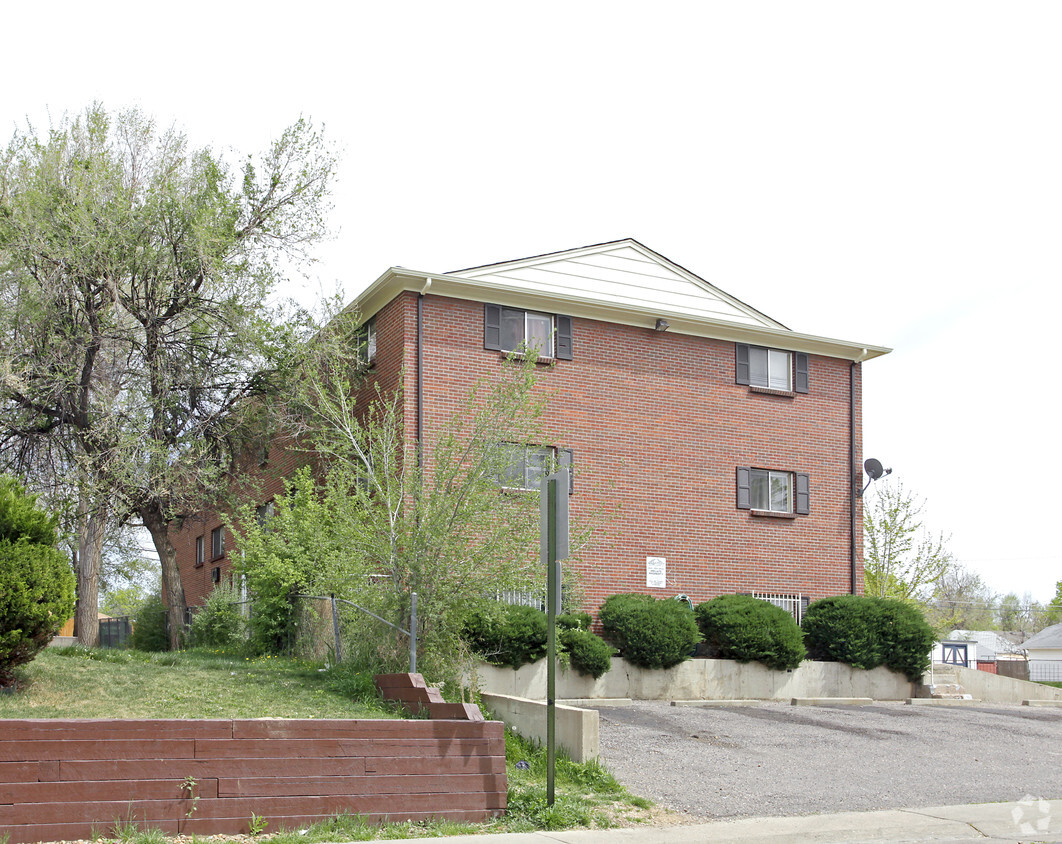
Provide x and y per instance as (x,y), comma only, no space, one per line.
(413,633)
(335,630)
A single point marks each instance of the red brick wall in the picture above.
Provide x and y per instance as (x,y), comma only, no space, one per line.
(659,427)
(75,779)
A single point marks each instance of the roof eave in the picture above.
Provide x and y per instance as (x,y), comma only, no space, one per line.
(397,279)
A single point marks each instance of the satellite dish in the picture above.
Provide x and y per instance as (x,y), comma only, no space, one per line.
(874,468)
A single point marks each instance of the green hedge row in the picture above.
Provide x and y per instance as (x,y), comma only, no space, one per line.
(861,631)
(503,634)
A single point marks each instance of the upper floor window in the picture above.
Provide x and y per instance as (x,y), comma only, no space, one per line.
(524,467)
(200,551)
(263,513)
(365,337)
(516,330)
(772,369)
(771,491)
(217,543)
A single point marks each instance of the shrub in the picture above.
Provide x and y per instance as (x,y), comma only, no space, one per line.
(867,632)
(648,632)
(574,621)
(504,634)
(219,622)
(36,599)
(36,581)
(750,630)
(589,654)
(149,626)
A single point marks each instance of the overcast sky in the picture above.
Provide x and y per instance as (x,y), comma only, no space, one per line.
(889,173)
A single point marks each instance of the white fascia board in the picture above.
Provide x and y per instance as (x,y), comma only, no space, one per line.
(397,280)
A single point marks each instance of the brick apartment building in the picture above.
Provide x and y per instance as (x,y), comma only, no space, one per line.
(727,447)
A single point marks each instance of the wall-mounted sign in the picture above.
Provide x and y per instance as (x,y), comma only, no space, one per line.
(656,572)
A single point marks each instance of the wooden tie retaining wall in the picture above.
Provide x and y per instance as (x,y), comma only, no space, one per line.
(67,779)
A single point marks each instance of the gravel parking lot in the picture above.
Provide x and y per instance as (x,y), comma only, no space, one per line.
(777,759)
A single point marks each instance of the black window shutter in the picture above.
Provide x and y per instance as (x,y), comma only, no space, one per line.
(492,327)
(743,370)
(801,384)
(564,337)
(571,468)
(803,494)
(744,491)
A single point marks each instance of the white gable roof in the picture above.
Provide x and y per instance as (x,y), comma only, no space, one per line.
(621,282)
(623,273)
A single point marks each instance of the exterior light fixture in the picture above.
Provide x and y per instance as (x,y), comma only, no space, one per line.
(662,325)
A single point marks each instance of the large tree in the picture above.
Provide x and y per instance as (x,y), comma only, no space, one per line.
(135,279)
(901,557)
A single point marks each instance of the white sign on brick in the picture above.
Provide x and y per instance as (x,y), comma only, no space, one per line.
(656,572)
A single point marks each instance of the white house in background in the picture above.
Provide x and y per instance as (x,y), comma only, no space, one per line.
(1045,654)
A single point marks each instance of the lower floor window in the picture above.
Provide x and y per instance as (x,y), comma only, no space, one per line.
(773,491)
(524,467)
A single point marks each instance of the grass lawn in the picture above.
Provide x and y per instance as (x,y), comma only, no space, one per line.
(78,683)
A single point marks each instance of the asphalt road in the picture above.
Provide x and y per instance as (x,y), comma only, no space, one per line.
(777,759)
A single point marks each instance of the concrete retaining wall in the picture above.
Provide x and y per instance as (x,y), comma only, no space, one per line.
(577,730)
(70,779)
(700,679)
(996,688)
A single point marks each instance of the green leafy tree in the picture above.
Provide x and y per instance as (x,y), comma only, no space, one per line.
(380,524)
(961,599)
(1053,610)
(135,275)
(901,558)
(36,583)
(1009,611)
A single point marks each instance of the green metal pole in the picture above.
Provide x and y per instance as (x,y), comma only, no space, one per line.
(551,641)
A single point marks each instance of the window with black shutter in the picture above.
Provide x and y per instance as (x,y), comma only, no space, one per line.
(771,491)
(516,330)
(771,369)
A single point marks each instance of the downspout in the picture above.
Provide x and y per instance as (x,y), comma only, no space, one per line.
(853,473)
(852,484)
(420,374)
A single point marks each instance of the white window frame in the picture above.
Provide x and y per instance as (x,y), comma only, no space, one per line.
(217,543)
(366,340)
(772,363)
(771,476)
(505,476)
(200,550)
(552,455)
(521,345)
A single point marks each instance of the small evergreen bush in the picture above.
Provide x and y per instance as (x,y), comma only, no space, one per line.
(504,634)
(36,581)
(588,653)
(149,626)
(219,622)
(747,629)
(574,621)
(649,633)
(866,632)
